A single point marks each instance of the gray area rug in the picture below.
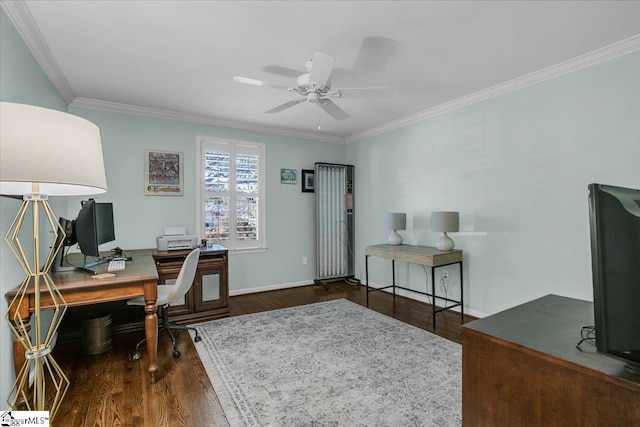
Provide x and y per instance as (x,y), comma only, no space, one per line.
(333,363)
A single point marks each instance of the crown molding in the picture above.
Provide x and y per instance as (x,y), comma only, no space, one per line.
(600,55)
(199,119)
(20,15)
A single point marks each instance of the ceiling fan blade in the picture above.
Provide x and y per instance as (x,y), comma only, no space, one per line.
(286,105)
(255,82)
(321,67)
(362,92)
(333,110)
(283,71)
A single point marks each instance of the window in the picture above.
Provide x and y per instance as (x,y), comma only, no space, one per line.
(232,188)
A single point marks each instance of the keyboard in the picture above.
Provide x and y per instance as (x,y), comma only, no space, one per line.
(116,265)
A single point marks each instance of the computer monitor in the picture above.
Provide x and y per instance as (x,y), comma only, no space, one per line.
(94,226)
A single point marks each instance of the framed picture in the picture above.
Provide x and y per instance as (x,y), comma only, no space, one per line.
(163,173)
(307,180)
(288,176)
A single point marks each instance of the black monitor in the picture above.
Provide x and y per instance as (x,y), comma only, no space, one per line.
(614,214)
(94,226)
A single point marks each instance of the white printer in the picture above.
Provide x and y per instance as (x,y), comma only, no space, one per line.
(174,239)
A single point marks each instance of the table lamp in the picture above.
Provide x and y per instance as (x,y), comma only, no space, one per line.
(445,222)
(395,221)
(43,153)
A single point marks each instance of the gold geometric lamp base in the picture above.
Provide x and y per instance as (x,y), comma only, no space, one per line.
(39,367)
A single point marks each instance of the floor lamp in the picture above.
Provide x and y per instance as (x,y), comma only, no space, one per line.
(43,153)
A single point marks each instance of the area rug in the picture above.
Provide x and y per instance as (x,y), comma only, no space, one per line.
(333,363)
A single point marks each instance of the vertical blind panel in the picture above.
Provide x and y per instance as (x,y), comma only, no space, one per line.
(332,253)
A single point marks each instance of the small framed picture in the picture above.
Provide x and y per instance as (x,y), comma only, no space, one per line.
(163,173)
(288,176)
(307,180)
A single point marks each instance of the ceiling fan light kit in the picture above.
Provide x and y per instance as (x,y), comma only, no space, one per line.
(315,87)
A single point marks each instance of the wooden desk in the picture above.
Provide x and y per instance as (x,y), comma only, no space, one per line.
(521,367)
(139,278)
(422,255)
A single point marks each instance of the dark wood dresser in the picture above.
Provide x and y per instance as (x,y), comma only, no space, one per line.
(521,367)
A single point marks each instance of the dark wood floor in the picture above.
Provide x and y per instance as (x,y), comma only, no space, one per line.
(110,390)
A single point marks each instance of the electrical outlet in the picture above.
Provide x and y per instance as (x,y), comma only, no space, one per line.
(305,260)
(445,275)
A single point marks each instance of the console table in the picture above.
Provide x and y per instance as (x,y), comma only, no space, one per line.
(521,367)
(421,255)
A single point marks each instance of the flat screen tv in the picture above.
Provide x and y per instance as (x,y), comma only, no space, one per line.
(614,214)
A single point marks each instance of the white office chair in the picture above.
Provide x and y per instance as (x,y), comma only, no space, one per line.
(171,293)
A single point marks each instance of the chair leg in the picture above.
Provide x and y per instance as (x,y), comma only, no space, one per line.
(163,326)
(142,341)
(167,326)
(137,353)
(176,353)
(197,338)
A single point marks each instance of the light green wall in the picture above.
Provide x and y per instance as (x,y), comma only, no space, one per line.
(22,81)
(516,167)
(139,219)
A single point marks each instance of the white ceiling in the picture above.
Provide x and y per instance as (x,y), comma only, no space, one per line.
(177,59)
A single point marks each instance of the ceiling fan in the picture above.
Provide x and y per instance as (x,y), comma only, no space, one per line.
(315,87)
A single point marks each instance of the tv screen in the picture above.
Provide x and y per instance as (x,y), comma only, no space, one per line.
(94,226)
(614,214)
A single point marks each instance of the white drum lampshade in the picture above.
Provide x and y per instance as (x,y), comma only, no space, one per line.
(60,152)
(445,222)
(395,221)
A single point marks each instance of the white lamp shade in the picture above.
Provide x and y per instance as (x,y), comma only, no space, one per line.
(395,221)
(59,151)
(445,221)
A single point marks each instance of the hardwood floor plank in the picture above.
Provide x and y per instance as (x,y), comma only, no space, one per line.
(111,390)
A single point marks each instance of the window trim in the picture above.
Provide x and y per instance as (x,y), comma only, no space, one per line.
(262,217)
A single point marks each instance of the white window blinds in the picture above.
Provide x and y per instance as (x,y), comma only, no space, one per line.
(232,196)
